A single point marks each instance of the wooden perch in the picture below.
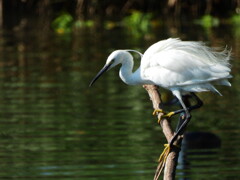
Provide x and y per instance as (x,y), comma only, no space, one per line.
(171,161)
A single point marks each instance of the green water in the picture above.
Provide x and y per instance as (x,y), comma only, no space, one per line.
(53,126)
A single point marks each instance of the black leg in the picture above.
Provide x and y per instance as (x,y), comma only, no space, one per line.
(186,116)
(171,102)
(181,129)
(198,104)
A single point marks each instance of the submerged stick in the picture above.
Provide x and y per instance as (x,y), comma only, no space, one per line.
(172,158)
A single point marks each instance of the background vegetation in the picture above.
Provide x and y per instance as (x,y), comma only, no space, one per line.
(14,12)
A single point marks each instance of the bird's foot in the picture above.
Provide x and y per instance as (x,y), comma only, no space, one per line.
(163,157)
(164,154)
(165,114)
(162,160)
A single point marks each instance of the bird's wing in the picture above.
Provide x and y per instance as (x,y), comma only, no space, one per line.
(176,60)
(186,49)
(179,67)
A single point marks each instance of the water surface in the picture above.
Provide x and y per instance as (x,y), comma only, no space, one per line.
(53,126)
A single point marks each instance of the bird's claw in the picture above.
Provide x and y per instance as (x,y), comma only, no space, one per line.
(157,111)
(168,115)
(165,114)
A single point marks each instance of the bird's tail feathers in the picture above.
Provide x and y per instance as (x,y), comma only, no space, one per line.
(213,89)
(200,88)
(223,54)
(224,82)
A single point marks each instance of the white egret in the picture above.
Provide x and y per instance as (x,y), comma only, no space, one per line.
(183,67)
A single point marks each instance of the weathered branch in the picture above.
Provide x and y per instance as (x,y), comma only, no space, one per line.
(171,162)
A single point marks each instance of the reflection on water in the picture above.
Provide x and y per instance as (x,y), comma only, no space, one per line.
(53,126)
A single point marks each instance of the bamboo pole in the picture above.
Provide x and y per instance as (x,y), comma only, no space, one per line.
(171,162)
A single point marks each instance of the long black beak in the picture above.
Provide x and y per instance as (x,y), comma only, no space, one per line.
(104,69)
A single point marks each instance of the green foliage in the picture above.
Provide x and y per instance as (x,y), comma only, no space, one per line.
(138,23)
(138,20)
(111,24)
(63,23)
(80,23)
(235,19)
(208,21)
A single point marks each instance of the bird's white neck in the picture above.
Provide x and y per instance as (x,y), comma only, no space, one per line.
(126,74)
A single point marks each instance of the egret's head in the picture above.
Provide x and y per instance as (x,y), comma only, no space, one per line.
(115,58)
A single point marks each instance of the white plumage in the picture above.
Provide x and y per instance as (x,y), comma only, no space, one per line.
(180,66)
(185,66)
